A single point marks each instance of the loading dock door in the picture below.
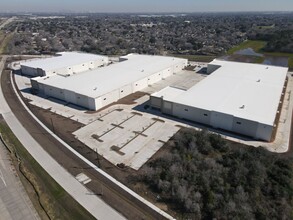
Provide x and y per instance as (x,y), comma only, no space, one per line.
(221,120)
(167,107)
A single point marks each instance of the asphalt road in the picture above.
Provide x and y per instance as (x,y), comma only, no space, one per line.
(14,202)
(97,207)
(40,143)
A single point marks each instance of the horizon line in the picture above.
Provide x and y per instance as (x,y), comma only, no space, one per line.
(141,12)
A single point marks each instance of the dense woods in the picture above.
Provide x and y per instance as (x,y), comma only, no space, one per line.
(205,177)
(277,41)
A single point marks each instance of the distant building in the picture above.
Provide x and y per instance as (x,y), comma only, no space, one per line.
(94,89)
(65,63)
(238,97)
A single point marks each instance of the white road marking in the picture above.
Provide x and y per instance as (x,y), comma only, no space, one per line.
(2,178)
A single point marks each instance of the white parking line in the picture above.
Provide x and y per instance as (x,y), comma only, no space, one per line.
(2,178)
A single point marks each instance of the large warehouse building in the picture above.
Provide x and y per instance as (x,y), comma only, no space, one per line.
(65,63)
(237,97)
(97,88)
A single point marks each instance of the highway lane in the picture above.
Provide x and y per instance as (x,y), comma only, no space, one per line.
(14,202)
(115,194)
(6,22)
(96,206)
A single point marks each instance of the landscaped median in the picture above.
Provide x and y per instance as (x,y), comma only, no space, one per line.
(50,199)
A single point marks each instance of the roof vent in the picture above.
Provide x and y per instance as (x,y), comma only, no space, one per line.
(242,107)
(258,81)
(267,67)
(95,88)
(142,70)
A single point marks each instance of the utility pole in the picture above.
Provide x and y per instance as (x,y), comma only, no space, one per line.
(53,129)
(97,158)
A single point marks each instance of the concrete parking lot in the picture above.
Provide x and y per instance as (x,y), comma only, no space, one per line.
(120,136)
(126,137)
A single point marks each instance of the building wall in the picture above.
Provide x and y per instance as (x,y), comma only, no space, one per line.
(34,83)
(62,71)
(82,100)
(264,132)
(125,91)
(26,70)
(192,113)
(70,96)
(65,70)
(97,104)
(156,102)
(156,77)
(167,107)
(215,119)
(140,84)
(221,120)
(108,98)
(92,104)
(53,92)
(167,72)
(244,126)
(179,66)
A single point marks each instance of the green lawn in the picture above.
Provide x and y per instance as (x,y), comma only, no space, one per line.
(259,59)
(257,47)
(253,44)
(290,62)
(4,40)
(266,27)
(56,202)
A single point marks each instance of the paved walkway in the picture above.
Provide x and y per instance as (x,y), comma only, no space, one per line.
(97,207)
(185,79)
(281,142)
(14,202)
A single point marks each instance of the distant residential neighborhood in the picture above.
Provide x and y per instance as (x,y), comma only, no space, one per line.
(120,34)
(146,116)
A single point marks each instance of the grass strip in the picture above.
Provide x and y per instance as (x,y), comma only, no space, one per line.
(53,200)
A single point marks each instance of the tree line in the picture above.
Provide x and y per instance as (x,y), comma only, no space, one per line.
(203,176)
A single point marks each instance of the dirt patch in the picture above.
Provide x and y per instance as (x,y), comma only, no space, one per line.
(120,200)
(190,68)
(64,127)
(127,100)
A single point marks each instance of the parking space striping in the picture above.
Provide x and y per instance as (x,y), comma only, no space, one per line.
(138,134)
(133,144)
(117,110)
(116,126)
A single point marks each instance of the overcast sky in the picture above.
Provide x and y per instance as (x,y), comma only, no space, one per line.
(144,5)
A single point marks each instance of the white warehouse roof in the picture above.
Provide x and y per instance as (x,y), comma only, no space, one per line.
(169,93)
(97,82)
(250,91)
(64,59)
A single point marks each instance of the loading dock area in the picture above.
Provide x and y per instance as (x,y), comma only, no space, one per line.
(183,81)
(238,97)
(94,89)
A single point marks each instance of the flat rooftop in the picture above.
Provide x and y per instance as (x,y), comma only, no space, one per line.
(169,93)
(62,60)
(250,91)
(97,82)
